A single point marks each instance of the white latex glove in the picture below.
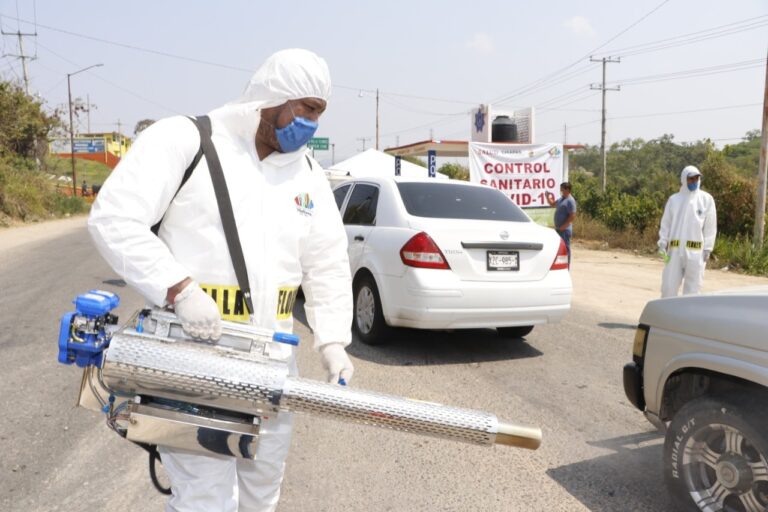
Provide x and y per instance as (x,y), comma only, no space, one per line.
(337,363)
(198,313)
(705,255)
(662,245)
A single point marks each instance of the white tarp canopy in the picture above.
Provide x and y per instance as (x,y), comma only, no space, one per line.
(376,163)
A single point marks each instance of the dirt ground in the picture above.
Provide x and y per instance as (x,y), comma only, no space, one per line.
(628,280)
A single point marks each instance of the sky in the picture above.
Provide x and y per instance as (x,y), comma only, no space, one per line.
(692,68)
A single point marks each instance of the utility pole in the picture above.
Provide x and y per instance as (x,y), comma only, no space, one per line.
(762,169)
(71,126)
(21,54)
(333,153)
(601,87)
(363,139)
(377,118)
(565,134)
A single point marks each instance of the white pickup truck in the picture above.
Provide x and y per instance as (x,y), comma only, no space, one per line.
(699,372)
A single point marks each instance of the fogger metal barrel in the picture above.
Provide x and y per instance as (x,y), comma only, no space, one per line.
(246,373)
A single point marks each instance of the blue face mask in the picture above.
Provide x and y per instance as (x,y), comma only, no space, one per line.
(296,134)
(693,186)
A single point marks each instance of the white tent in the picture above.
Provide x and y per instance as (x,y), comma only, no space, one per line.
(376,163)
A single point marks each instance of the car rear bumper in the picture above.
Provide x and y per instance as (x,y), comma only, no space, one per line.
(432,299)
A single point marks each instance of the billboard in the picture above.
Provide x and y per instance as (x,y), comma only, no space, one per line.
(81,145)
(525,173)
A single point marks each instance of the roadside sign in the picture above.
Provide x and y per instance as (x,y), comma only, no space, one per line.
(319,143)
(431,163)
(89,145)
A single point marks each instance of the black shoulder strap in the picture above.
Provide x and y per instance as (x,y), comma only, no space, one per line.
(187,174)
(203,124)
(309,162)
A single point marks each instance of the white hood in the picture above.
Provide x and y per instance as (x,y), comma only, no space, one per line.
(285,75)
(689,170)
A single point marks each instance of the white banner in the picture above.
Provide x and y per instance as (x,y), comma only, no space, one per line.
(523,172)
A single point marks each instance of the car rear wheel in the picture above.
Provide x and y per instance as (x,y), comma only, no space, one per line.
(369,324)
(716,456)
(514,332)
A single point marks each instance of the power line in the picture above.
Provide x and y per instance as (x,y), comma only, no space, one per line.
(407,108)
(134,47)
(576,100)
(580,59)
(117,86)
(711,109)
(659,114)
(561,79)
(21,54)
(402,95)
(693,37)
(691,73)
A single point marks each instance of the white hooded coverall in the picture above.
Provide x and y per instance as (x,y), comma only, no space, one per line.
(688,228)
(291,234)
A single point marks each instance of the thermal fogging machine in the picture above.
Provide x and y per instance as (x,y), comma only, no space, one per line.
(158,386)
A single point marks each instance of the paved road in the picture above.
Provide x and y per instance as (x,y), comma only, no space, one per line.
(598,453)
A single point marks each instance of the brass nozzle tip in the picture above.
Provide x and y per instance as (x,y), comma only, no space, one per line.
(522,437)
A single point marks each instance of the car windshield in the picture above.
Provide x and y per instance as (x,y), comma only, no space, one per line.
(456,201)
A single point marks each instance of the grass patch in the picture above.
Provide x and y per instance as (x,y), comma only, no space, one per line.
(94,173)
(27,194)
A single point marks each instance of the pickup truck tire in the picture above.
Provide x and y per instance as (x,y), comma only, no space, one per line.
(368,322)
(716,455)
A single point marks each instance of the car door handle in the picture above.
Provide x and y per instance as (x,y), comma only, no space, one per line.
(359,238)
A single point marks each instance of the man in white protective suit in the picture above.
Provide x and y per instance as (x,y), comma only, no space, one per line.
(290,231)
(687,235)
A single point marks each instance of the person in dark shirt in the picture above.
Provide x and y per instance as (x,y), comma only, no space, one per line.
(565,212)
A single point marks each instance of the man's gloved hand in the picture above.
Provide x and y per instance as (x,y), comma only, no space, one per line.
(705,255)
(198,313)
(663,251)
(337,363)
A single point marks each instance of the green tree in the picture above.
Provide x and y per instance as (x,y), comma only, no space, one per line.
(455,171)
(142,125)
(415,160)
(24,126)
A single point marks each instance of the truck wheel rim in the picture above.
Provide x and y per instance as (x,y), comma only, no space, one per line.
(365,309)
(724,471)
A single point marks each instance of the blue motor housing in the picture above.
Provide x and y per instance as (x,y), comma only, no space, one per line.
(83,334)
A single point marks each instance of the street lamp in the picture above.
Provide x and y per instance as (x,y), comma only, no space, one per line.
(71,129)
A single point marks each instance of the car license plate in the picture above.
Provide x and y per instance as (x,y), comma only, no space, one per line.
(503,260)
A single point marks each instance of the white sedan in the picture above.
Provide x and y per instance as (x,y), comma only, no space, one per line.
(445,254)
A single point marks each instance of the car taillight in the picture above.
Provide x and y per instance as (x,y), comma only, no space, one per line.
(561,260)
(638,347)
(421,251)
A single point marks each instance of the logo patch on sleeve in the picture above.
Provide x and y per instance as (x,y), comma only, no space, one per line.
(304,204)
(286,298)
(229,300)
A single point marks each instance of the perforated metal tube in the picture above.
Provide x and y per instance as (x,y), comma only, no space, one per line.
(391,412)
(193,372)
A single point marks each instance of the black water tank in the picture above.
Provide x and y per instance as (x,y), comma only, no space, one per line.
(503,129)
